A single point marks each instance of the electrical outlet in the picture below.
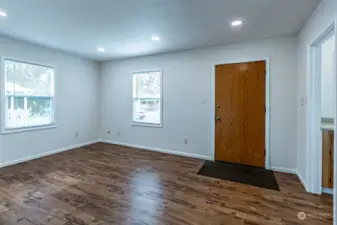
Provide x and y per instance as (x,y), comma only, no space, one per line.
(185,141)
(76,134)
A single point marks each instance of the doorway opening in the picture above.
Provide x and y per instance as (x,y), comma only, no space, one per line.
(321,112)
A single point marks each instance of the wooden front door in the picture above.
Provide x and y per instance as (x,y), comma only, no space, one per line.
(240,91)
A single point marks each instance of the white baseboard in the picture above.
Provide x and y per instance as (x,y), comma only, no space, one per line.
(192,155)
(283,169)
(302,181)
(292,171)
(17,161)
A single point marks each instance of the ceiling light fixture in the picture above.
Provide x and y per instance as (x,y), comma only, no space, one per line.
(3,13)
(155,38)
(236,23)
(100,49)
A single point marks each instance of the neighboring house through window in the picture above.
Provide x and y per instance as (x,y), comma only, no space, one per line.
(29,95)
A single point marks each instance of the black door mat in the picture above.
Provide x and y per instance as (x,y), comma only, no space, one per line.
(240,173)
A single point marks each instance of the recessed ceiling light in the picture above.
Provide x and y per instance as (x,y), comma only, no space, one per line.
(155,38)
(236,23)
(100,49)
(3,13)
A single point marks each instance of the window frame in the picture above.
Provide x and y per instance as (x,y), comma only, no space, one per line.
(134,123)
(4,102)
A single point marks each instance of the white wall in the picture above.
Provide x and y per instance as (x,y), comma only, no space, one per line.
(327,78)
(323,17)
(77,82)
(187,81)
(319,21)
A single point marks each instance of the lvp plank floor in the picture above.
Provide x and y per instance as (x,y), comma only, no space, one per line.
(109,184)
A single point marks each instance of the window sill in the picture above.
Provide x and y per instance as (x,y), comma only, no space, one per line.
(27,129)
(147,125)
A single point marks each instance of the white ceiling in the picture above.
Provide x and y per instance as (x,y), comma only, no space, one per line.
(125,27)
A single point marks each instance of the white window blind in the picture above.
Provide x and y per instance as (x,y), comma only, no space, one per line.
(147,98)
(29,94)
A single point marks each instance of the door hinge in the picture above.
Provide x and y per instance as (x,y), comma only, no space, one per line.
(264,152)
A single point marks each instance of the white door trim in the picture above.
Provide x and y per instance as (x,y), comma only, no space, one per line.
(335,133)
(267,115)
(313,119)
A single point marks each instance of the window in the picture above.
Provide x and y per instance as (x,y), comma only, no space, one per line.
(29,95)
(147,98)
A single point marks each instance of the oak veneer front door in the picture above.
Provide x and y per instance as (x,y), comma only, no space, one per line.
(240,91)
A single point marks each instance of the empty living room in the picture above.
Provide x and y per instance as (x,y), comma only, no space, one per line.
(168,112)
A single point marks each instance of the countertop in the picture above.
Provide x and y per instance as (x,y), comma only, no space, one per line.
(327,124)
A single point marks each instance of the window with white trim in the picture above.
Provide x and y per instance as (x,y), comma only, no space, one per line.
(147,98)
(29,95)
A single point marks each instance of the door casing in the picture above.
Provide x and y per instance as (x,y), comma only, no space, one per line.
(267,115)
(313,159)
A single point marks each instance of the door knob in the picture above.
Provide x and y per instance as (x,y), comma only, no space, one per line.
(217,118)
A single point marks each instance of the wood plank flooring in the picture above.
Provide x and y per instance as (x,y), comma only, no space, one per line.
(105,184)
